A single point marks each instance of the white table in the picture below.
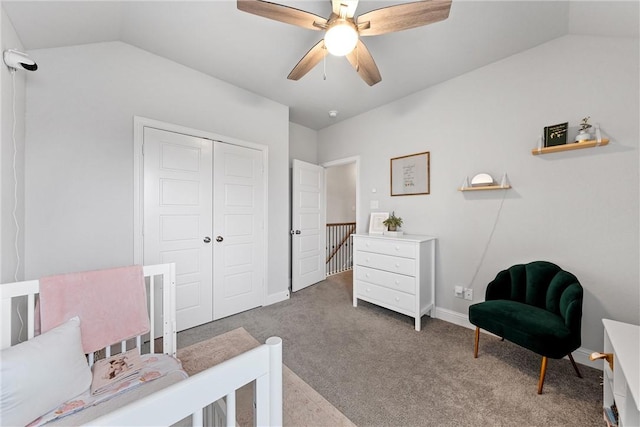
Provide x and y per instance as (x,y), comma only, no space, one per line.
(622,384)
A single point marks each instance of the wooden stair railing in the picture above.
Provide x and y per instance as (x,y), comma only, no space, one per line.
(349,228)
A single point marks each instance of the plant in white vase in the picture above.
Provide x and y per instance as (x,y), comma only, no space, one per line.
(393,222)
(585,133)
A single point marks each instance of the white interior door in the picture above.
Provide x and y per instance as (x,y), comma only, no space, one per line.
(308,225)
(239,242)
(178,217)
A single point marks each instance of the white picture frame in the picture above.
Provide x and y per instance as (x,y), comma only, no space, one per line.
(375,222)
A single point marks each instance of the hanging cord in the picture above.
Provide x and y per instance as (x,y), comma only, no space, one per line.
(15,194)
(15,177)
(486,248)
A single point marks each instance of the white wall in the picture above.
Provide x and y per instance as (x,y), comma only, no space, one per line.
(341,193)
(79,155)
(578,209)
(303,144)
(9,259)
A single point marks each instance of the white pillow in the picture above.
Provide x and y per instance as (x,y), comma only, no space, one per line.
(42,373)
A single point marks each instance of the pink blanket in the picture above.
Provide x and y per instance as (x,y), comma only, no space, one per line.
(111,304)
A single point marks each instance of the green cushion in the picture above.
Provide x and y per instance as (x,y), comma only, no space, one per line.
(530,327)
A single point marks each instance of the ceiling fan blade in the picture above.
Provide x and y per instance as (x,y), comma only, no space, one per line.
(350,6)
(310,60)
(404,16)
(278,12)
(363,62)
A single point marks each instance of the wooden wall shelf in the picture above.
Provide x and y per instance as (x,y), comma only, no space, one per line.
(485,187)
(568,147)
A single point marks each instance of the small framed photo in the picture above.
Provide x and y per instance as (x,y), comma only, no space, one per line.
(410,174)
(375,222)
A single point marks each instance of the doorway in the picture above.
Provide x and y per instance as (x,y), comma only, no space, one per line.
(309,249)
(341,206)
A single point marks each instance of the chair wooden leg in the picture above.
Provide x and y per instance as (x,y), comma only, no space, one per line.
(475,347)
(573,362)
(543,371)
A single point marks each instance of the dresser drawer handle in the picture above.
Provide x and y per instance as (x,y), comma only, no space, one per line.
(368,289)
(367,275)
(397,248)
(397,264)
(367,260)
(397,299)
(397,283)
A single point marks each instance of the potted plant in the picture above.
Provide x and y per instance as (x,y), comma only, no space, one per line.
(584,134)
(393,222)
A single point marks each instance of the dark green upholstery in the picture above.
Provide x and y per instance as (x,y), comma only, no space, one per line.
(537,306)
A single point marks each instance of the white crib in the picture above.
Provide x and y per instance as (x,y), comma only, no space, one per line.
(192,397)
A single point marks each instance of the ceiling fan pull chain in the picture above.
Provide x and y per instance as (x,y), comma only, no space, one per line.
(324,67)
(357,59)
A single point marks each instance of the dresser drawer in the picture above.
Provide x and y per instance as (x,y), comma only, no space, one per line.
(393,264)
(398,282)
(386,296)
(387,247)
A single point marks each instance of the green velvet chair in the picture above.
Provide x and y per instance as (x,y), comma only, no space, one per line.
(537,306)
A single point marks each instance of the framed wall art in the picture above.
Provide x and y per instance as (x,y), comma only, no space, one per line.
(375,222)
(410,175)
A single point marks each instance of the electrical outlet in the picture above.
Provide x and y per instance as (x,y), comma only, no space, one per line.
(458,291)
(468,294)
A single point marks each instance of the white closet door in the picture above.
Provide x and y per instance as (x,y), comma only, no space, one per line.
(238,229)
(308,225)
(178,217)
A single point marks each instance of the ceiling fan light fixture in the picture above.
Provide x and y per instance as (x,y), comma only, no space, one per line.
(341,38)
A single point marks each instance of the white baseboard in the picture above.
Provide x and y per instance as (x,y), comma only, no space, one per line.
(277,297)
(581,355)
(453,317)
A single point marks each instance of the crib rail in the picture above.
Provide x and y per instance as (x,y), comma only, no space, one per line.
(167,274)
(8,291)
(158,276)
(192,395)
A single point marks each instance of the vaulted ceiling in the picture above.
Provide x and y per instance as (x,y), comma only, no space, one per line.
(257,54)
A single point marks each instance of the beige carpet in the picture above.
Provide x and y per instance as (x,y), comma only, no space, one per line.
(303,406)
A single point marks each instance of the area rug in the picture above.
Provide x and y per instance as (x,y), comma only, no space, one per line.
(302,405)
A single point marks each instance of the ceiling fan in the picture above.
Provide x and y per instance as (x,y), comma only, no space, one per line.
(343,29)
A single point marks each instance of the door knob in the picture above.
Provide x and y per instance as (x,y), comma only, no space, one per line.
(219,238)
(292,232)
(207,239)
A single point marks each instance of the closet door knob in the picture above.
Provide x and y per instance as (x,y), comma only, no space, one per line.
(219,238)
(207,239)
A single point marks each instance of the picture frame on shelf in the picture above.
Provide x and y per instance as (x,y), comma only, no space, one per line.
(555,134)
(410,174)
(376,220)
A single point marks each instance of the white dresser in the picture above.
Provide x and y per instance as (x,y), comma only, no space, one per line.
(397,273)
(622,383)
